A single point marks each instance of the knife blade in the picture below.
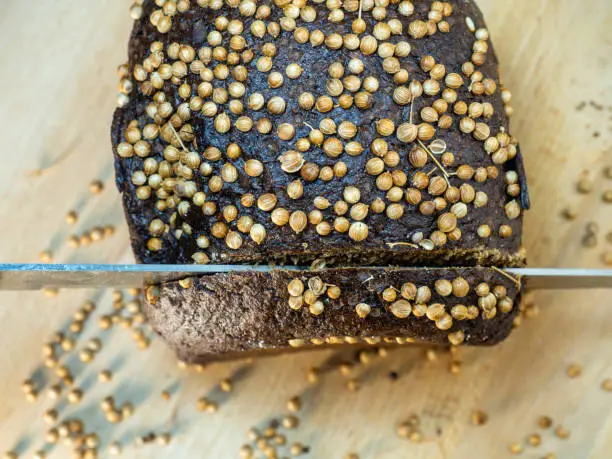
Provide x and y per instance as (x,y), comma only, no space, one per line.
(37,276)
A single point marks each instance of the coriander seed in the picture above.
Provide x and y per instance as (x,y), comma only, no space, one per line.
(479,417)
(294,404)
(96,187)
(574,370)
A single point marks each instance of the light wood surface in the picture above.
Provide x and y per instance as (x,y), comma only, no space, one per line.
(57,95)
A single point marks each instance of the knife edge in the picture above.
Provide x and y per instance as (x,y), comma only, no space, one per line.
(37,276)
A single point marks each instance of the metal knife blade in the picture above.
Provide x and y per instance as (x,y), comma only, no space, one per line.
(39,276)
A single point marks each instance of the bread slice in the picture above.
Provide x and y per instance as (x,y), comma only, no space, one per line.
(227,316)
(291,133)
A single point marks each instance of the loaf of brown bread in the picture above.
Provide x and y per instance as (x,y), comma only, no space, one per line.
(346,133)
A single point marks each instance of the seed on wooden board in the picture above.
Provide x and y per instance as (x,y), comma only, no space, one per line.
(225,385)
(569,213)
(561,432)
(584,185)
(96,186)
(574,370)
(105,376)
(479,417)
(534,440)
(294,404)
(545,422)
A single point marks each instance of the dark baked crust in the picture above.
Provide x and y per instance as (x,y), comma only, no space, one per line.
(228,316)
(282,244)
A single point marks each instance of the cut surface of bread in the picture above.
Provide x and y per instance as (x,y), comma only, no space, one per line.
(222,316)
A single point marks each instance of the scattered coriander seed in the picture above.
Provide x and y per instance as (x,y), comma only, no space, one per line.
(75,395)
(71,217)
(545,422)
(345,369)
(115,449)
(454,367)
(127,409)
(515,448)
(28,386)
(245,452)
(63,429)
(294,404)
(105,376)
(50,416)
(96,186)
(54,392)
(290,422)
(86,355)
(225,385)
(569,213)
(561,432)
(46,256)
(312,375)
(606,384)
(297,449)
(534,440)
(404,429)
(479,417)
(202,404)
(584,185)
(574,370)
(105,322)
(164,439)
(92,440)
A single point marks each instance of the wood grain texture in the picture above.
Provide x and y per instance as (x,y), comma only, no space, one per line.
(58,92)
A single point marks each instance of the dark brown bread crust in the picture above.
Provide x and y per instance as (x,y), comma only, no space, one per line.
(282,244)
(228,316)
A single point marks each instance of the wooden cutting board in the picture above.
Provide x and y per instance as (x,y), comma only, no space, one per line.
(57,95)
